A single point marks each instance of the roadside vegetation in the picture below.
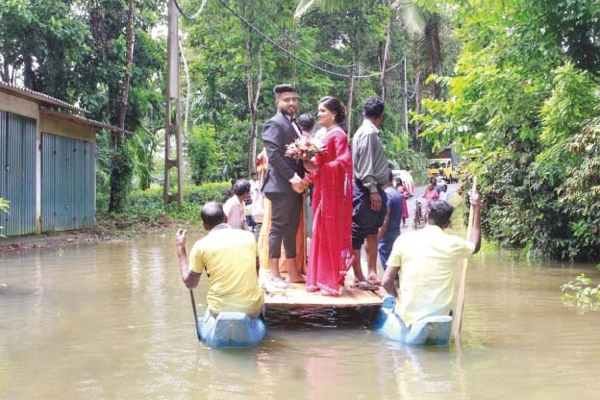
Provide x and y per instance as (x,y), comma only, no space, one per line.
(512,87)
(144,212)
(4,206)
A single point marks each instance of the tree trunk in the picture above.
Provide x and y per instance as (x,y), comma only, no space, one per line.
(253,92)
(120,176)
(432,33)
(128,68)
(254,115)
(5,74)
(386,54)
(187,90)
(417,110)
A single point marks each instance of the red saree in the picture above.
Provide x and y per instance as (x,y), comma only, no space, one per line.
(330,254)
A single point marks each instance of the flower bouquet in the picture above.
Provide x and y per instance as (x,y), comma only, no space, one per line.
(260,162)
(305,148)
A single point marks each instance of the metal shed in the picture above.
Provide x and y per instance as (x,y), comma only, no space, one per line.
(47,163)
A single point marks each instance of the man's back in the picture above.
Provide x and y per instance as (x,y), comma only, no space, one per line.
(234,210)
(430,263)
(229,257)
(394,204)
(368,155)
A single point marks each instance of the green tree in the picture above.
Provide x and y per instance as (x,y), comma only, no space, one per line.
(41,41)
(522,105)
(82,51)
(203,153)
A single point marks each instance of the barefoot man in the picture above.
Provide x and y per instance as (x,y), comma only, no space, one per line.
(283,185)
(371,173)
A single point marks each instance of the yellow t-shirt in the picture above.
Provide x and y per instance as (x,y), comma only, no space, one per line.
(229,257)
(430,262)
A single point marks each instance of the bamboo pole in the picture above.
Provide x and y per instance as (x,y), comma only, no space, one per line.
(463,278)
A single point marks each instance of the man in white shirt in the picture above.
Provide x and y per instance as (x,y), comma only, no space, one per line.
(234,207)
(431,263)
(254,198)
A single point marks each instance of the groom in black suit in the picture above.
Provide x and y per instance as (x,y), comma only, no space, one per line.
(283,185)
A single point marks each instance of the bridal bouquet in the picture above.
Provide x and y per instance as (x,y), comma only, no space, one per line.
(305,148)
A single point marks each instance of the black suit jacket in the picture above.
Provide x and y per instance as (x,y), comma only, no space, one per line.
(277,133)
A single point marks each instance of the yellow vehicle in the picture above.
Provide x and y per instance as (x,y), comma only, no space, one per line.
(441,167)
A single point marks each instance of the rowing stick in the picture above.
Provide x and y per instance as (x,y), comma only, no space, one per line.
(463,278)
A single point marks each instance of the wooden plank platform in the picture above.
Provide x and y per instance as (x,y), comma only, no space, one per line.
(299,297)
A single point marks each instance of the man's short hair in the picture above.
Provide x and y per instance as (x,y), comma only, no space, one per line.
(373,107)
(212,214)
(283,89)
(240,187)
(252,174)
(306,122)
(439,213)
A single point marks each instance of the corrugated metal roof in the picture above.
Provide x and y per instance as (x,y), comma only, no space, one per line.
(46,100)
(80,120)
(37,97)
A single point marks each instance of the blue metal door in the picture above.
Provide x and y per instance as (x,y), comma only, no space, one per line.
(17,173)
(68,183)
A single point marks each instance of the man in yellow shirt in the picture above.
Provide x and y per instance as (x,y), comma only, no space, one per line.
(430,260)
(229,257)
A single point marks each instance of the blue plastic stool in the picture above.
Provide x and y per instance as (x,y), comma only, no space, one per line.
(232,330)
(426,331)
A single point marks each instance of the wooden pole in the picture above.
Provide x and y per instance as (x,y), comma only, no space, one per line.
(173,112)
(460,301)
(404,97)
(350,99)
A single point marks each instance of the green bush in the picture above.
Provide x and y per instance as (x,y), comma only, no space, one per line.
(581,292)
(203,153)
(150,202)
(4,204)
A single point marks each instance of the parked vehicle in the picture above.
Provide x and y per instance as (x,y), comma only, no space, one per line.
(442,167)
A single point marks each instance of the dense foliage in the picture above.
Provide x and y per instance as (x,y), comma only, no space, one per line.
(513,86)
(524,103)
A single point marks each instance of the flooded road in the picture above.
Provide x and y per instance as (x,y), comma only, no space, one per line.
(114,321)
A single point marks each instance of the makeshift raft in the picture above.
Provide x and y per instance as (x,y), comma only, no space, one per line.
(297,308)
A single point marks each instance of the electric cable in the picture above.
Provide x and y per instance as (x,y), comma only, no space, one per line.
(294,41)
(195,16)
(284,50)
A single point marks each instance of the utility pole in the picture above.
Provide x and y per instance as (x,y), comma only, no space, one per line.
(404,97)
(173,111)
(350,98)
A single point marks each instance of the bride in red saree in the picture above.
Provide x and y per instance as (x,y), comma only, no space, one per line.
(330,254)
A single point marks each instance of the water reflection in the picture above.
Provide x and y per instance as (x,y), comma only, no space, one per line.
(113,321)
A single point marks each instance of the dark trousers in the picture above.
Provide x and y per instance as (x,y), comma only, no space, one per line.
(285,219)
(365,221)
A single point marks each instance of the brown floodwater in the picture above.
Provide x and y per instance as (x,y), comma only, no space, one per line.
(114,321)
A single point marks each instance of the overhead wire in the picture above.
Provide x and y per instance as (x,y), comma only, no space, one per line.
(277,45)
(195,16)
(293,40)
(284,50)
